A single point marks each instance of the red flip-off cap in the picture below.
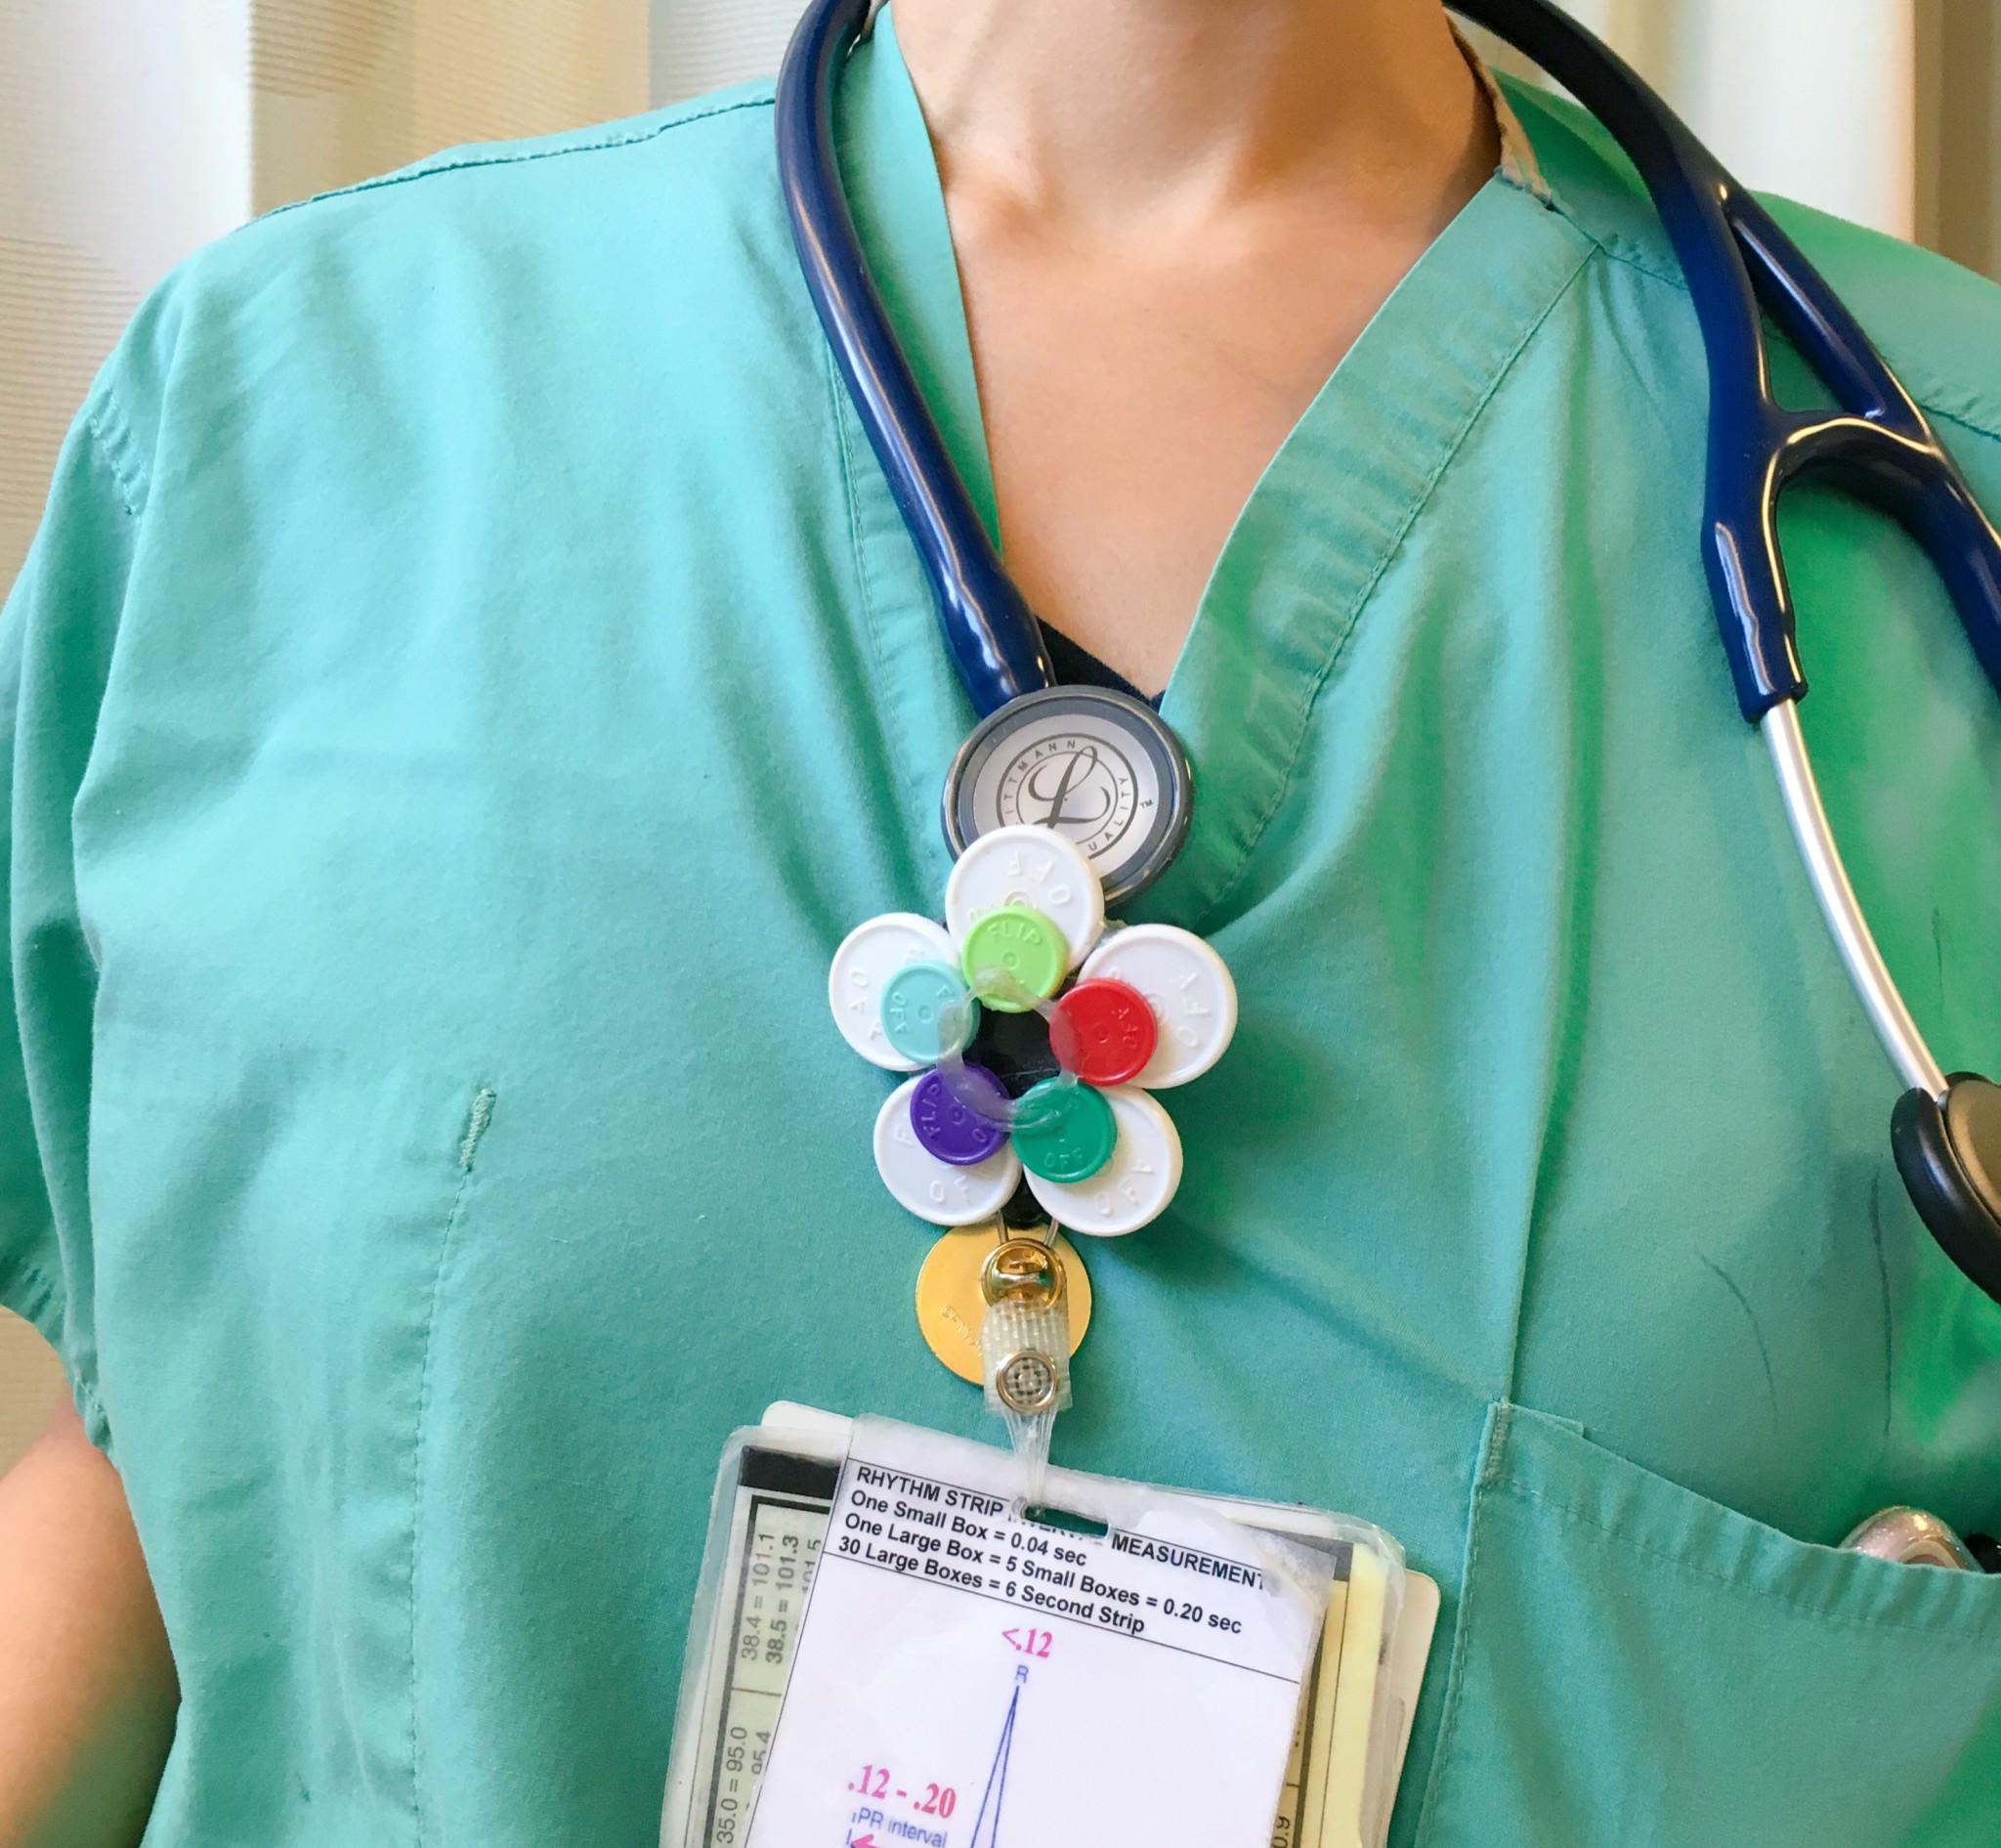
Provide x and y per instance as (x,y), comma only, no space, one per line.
(1103,1031)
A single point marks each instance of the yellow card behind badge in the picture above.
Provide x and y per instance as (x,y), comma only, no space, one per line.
(950,1305)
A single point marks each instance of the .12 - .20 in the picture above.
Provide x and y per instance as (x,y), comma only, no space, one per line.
(939,1799)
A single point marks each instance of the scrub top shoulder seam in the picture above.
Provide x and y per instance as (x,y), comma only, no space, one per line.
(111,447)
(1656,403)
(1358,607)
(1617,251)
(466,159)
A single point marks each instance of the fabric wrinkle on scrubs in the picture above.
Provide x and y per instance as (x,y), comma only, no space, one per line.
(473,673)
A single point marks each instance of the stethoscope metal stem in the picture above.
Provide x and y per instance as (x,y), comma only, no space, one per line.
(1888,1015)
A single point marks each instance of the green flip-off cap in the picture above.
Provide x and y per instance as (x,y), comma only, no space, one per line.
(1064,1131)
(1014,956)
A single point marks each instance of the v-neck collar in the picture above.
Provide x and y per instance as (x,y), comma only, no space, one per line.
(1322,525)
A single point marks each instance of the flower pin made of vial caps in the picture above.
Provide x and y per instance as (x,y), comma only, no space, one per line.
(1107,1017)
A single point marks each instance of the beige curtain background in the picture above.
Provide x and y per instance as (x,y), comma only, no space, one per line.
(132,131)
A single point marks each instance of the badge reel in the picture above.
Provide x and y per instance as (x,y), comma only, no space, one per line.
(1031,1037)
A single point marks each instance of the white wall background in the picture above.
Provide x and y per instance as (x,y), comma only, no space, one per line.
(124,142)
(701,45)
(1815,99)
(132,130)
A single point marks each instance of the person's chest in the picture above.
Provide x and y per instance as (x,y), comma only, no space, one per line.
(462,853)
(557,782)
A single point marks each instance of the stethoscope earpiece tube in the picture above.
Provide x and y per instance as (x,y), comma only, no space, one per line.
(1739,265)
(996,642)
(1949,1154)
(1738,262)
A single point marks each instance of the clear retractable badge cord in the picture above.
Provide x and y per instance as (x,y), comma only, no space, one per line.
(1025,1331)
(1025,1347)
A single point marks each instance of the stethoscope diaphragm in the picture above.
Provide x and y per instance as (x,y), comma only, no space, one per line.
(1099,767)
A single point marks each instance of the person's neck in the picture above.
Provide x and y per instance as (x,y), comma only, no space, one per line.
(1133,117)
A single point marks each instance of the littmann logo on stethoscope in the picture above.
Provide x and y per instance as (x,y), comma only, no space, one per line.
(1099,767)
(1075,784)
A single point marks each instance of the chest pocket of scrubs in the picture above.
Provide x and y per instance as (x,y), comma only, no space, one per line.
(1636,1664)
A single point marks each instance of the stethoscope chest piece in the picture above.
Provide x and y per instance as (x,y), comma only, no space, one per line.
(1099,767)
(1908,1537)
(1948,1150)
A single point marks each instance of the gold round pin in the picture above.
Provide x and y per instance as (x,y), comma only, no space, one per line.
(951,1300)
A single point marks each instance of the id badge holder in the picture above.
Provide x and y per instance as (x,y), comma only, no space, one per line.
(887,1647)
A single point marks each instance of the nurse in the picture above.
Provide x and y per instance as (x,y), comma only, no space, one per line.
(472,674)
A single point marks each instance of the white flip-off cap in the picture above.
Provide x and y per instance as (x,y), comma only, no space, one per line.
(1133,1189)
(1029,866)
(868,956)
(1189,989)
(935,1189)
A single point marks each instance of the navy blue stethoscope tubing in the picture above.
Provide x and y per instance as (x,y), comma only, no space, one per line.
(1738,265)
(995,639)
(1878,446)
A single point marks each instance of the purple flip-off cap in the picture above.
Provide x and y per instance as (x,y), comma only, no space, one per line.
(962,1119)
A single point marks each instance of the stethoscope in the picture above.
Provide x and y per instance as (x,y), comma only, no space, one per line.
(1945,1131)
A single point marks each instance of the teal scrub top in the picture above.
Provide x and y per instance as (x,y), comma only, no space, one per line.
(473,674)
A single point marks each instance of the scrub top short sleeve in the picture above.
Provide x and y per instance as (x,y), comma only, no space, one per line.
(56,639)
